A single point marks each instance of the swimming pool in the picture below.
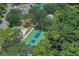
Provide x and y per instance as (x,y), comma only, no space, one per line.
(33,38)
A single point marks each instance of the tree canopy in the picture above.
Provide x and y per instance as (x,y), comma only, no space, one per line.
(14,17)
(61,32)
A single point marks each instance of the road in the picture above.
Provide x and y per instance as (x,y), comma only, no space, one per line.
(5,23)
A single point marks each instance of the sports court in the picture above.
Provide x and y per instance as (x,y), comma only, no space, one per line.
(33,38)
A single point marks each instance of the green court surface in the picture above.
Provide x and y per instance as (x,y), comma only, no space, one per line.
(34,37)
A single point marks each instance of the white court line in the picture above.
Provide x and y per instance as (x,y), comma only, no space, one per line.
(27,34)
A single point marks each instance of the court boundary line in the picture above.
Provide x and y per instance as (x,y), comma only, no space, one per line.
(27,35)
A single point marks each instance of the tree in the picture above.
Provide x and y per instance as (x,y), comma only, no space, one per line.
(16,50)
(5,38)
(2,10)
(16,35)
(42,48)
(70,49)
(51,8)
(61,35)
(64,29)
(40,18)
(37,16)
(3,6)
(14,17)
